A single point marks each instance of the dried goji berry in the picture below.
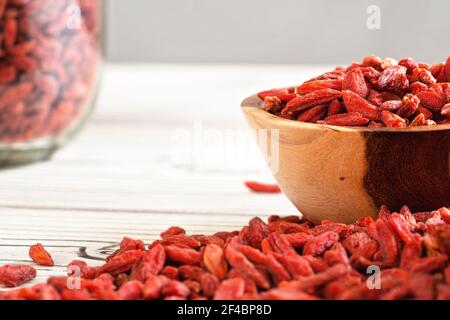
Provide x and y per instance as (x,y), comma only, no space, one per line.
(183,255)
(232,289)
(315,85)
(214,260)
(347,119)
(354,81)
(131,290)
(392,105)
(431,100)
(392,120)
(151,263)
(319,244)
(262,187)
(310,100)
(355,103)
(388,243)
(40,256)
(16,275)
(314,114)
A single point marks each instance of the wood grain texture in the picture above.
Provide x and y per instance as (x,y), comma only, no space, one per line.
(409,169)
(321,169)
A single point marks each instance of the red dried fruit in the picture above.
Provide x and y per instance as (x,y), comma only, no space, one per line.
(336,255)
(400,225)
(429,264)
(257,231)
(375,98)
(121,263)
(373,61)
(238,261)
(232,289)
(128,244)
(431,100)
(152,288)
(354,81)
(7,74)
(388,243)
(81,269)
(173,231)
(409,63)
(417,87)
(410,105)
(284,95)
(347,119)
(354,103)
(16,275)
(315,85)
(319,244)
(214,260)
(445,111)
(392,105)
(392,120)
(273,104)
(425,76)
(314,114)
(183,255)
(280,245)
(419,120)
(276,269)
(297,266)
(259,187)
(175,288)
(426,113)
(40,256)
(335,107)
(394,79)
(151,263)
(209,284)
(131,290)
(312,99)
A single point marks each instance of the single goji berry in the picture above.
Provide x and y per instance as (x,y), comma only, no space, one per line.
(16,275)
(262,187)
(354,81)
(40,256)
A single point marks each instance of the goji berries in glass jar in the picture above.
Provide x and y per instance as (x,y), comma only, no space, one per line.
(49,62)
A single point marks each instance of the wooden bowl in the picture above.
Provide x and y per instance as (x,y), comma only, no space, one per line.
(343,173)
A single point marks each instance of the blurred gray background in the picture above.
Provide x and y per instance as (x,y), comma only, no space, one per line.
(269,31)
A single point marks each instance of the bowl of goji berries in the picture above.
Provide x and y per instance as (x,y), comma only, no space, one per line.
(358,137)
(49,63)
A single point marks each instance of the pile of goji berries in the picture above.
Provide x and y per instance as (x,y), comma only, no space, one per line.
(286,259)
(48,56)
(375,93)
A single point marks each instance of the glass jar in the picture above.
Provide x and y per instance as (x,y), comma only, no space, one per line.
(50,56)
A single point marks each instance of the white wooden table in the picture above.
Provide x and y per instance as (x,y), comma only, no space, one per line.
(167,146)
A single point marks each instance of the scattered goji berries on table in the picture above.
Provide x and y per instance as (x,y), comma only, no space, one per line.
(286,259)
(48,56)
(375,93)
(259,187)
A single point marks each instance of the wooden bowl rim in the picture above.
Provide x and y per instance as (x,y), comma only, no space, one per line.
(253,102)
